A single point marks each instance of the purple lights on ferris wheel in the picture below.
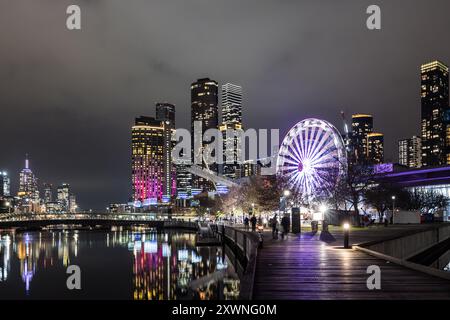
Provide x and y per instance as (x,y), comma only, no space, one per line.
(311,150)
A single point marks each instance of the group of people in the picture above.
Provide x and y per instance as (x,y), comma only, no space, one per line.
(253,221)
(281,227)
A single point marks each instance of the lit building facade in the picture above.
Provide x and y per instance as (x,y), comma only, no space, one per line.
(48,193)
(375,148)
(151,160)
(5,184)
(165,112)
(435,126)
(204,108)
(63,195)
(410,152)
(28,185)
(231,122)
(435,179)
(362,125)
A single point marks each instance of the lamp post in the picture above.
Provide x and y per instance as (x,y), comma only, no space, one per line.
(393,209)
(286,194)
(346,227)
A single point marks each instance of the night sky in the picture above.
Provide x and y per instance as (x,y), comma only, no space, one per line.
(69,98)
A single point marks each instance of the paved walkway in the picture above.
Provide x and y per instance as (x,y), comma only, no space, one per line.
(314,266)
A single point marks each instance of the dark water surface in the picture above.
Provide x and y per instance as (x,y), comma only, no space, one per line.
(123,264)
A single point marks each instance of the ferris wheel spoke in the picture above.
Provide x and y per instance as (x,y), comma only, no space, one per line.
(290,158)
(326,149)
(300,148)
(293,153)
(307,141)
(319,145)
(293,176)
(312,141)
(324,159)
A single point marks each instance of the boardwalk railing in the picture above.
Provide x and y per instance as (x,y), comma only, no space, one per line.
(244,244)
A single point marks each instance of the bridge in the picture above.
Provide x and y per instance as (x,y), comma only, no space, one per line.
(211,176)
(92,220)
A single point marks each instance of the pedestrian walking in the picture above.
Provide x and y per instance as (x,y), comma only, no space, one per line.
(246,223)
(253,222)
(275,227)
(285,224)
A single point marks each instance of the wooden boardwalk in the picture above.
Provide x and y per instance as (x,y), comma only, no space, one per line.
(316,267)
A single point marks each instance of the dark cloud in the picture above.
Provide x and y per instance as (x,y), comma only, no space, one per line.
(68,98)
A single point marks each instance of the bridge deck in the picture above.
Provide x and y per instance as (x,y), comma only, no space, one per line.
(315,267)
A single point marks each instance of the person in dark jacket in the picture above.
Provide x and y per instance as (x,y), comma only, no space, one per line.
(253,222)
(246,223)
(285,223)
(275,227)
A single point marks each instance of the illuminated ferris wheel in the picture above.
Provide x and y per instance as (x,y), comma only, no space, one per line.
(312,156)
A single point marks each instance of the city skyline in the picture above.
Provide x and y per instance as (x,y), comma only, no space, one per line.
(78,131)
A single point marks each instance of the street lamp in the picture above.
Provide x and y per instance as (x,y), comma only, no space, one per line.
(346,235)
(287,193)
(393,208)
(8,204)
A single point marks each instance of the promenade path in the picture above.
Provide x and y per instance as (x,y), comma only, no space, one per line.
(315,266)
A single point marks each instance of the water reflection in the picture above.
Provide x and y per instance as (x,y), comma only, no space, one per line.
(142,264)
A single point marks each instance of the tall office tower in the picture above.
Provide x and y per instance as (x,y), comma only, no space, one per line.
(5,184)
(149,143)
(204,100)
(375,148)
(48,194)
(435,114)
(362,125)
(184,179)
(28,184)
(231,121)
(63,194)
(72,203)
(410,152)
(165,113)
(231,104)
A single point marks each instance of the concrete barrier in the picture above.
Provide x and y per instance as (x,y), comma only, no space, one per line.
(404,247)
(399,249)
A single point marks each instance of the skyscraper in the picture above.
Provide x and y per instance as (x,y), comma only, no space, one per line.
(204,101)
(165,112)
(5,184)
(231,104)
(151,151)
(48,194)
(231,120)
(410,152)
(435,114)
(375,148)
(63,194)
(28,184)
(362,125)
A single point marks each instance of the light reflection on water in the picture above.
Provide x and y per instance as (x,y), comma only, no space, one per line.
(122,264)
